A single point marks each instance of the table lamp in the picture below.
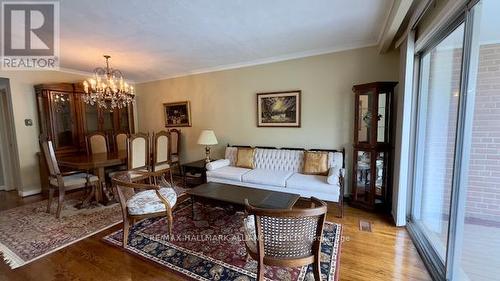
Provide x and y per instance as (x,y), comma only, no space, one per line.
(207,138)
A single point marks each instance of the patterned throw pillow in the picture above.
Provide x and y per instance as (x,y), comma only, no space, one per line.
(244,157)
(315,163)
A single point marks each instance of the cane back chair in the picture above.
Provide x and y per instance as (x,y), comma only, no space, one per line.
(288,238)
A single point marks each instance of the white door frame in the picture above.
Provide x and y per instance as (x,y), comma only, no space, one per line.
(8,141)
(4,165)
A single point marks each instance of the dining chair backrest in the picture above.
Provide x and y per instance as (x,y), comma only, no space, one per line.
(138,151)
(175,140)
(289,235)
(50,157)
(97,143)
(161,147)
(121,141)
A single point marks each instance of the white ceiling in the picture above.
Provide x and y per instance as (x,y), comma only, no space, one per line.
(150,40)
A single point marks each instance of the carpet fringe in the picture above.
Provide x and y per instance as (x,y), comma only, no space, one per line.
(10,258)
(15,261)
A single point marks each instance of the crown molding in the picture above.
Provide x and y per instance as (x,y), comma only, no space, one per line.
(269,60)
(85,73)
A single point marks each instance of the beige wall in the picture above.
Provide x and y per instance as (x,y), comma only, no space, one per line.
(24,107)
(225,101)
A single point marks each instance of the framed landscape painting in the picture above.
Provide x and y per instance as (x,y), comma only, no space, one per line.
(177,114)
(278,109)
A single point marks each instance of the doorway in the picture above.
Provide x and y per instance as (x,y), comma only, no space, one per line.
(9,164)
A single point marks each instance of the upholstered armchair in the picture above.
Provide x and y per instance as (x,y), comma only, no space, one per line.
(139,201)
(288,238)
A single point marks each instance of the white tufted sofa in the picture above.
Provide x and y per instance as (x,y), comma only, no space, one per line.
(280,170)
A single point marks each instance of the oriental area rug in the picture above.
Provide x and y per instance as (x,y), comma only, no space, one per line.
(28,232)
(213,248)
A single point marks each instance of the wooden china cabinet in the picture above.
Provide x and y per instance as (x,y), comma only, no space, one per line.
(372,148)
(66,120)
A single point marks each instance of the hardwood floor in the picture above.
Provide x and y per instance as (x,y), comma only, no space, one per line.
(386,253)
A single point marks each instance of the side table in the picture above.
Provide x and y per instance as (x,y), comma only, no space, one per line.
(194,173)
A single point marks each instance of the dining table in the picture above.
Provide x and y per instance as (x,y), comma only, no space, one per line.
(97,164)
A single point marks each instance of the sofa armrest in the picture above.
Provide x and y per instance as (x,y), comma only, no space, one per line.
(335,175)
(217,164)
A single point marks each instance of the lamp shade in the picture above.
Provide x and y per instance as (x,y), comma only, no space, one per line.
(207,137)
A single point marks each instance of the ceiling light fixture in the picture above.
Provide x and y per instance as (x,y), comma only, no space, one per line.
(107,88)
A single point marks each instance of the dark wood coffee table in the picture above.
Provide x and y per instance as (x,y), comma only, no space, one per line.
(232,197)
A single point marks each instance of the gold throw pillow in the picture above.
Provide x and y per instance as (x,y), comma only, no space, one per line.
(315,163)
(244,158)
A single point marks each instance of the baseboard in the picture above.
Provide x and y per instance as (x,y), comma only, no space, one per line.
(30,192)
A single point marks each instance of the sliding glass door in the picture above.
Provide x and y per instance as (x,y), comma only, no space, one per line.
(437,126)
(455,213)
(477,238)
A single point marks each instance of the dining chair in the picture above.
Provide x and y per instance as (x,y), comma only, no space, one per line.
(288,238)
(175,141)
(120,144)
(138,155)
(139,201)
(64,181)
(120,139)
(97,142)
(161,156)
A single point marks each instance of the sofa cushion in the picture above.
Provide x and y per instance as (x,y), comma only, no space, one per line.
(214,165)
(228,172)
(333,175)
(315,163)
(311,183)
(267,177)
(244,158)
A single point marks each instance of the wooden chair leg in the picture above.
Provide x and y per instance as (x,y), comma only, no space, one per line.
(317,268)
(340,213)
(126,227)
(260,270)
(62,193)
(170,221)
(171,178)
(51,196)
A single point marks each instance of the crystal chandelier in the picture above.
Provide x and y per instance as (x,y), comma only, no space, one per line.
(107,88)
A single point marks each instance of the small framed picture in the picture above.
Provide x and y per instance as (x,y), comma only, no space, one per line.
(177,114)
(278,109)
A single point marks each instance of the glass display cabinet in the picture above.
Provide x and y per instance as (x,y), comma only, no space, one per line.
(66,119)
(372,147)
